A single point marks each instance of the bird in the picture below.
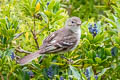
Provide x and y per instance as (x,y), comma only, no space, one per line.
(60,41)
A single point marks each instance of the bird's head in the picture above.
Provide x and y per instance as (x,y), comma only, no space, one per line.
(73,22)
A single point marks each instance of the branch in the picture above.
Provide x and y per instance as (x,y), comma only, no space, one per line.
(34,34)
(17,56)
(2,78)
(35,38)
(22,51)
(18,35)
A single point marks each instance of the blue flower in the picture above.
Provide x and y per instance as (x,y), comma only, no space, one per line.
(12,55)
(48,3)
(96,77)
(87,73)
(31,74)
(50,72)
(114,51)
(93,30)
(61,78)
(90,28)
(95,25)
(88,78)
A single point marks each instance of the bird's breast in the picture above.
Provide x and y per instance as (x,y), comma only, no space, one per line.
(78,35)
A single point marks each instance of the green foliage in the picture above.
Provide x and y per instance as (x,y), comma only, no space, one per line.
(88,9)
(8,67)
(24,24)
(7,31)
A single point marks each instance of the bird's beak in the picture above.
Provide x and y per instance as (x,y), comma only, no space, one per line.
(79,23)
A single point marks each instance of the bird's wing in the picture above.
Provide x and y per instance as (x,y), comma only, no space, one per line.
(50,37)
(63,45)
(58,42)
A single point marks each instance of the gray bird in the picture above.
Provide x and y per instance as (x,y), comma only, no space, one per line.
(64,39)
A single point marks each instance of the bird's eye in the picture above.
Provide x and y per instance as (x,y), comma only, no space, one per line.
(72,22)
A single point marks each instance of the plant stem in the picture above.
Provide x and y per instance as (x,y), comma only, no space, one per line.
(35,38)
(34,34)
(22,50)
(2,78)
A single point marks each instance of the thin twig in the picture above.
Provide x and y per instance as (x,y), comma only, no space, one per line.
(22,51)
(2,78)
(34,35)
(35,38)
(9,75)
(18,57)
(18,35)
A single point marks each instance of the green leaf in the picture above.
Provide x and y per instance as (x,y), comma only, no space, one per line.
(90,71)
(75,72)
(114,51)
(44,17)
(92,77)
(56,7)
(103,72)
(111,22)
(98,60)
(107,51)
(90,37)
(83,76)
(2,21)
(59,12)
(99,38)
(117,39)
(51,5)
(116,9)
(33,6)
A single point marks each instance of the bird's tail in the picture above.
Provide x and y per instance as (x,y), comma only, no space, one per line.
(29,58)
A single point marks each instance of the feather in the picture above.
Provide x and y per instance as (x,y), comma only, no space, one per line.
(29,58)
